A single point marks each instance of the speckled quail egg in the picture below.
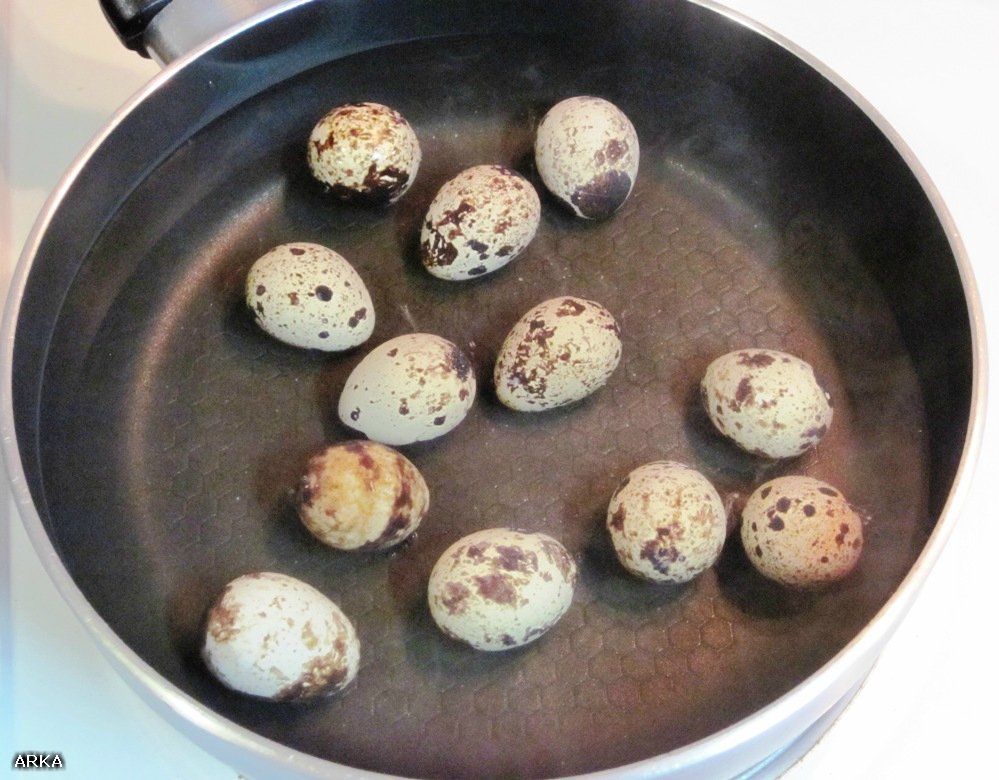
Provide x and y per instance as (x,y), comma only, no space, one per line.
(411,388)
(365,153)
(501,588)
(273,636)
(561,351)
(767,402)
(309,296)
(478,222)
(667,522)
(586,151)
(801,532)
(361,495)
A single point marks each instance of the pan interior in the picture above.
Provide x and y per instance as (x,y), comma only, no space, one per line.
(768,212)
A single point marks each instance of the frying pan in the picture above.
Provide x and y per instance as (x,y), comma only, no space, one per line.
(152,434)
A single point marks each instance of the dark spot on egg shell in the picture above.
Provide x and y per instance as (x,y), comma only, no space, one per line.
(603,195)
(358,315)
(459,363)
(814,433)
(783,504)
(570,307)
(261,289)
(437,249)
(324,293)
(497,588)
(514,558)
(379,188)
(776,523)
(394,530)
(455,596)
(560,557)
(617,519)
(477,271)
(659,557)
(611,152)
(296,250)
(222,619)
(321,675)
(755,359)
(360,450)
(743,392)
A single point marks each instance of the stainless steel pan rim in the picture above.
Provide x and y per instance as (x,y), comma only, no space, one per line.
(727,753)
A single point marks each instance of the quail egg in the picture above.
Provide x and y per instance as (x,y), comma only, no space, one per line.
(275,637)
(411,388)
(365,153)
(501,588)
(478,222)
(361,495)
(768,402)
(561,351)
(801,532)
(586,151)
(308,296)
(667,522)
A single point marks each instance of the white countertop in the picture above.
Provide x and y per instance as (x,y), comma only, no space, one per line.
(930,67)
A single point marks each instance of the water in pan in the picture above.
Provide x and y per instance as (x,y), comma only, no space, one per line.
(172,463)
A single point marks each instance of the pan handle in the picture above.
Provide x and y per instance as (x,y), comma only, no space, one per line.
(166,29)
(129,18)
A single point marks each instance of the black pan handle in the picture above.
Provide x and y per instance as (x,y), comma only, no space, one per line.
(129,18)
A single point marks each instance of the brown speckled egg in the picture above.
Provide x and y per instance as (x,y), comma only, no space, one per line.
(412,388)
(768,402)
(586,151)
(667,522)
(478,222)
(801,532)
(561,351)
(309,296)
(365,153)
(501,588)
(361,495)
(273,636)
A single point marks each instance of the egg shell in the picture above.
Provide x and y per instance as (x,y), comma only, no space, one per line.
(561,351)
(309,296)
(478,222)
(667,522)
(365,153)
(801,532)
(501,588)
(361,495)
(766,401)
(275,637)
(411,388)
(586,151)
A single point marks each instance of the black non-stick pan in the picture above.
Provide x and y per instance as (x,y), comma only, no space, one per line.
(155,435)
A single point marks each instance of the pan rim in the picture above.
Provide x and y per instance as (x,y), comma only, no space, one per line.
(168,700)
